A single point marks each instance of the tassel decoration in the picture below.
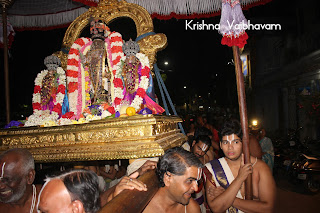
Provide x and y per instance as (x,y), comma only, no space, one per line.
(232,24)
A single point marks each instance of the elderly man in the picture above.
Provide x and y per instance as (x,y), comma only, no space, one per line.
(178,172)
(77,191)
(17,193)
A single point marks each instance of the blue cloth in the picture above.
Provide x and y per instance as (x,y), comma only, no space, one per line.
(65,104)
(267,149)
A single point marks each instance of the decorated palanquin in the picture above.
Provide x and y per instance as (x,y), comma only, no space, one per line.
(95,100)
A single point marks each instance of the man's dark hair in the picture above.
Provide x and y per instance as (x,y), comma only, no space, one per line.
(204,139)
(231,127)
(82,185)
(176,161)
(202,131)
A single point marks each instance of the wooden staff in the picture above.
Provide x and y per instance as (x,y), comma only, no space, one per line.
(243,117)
(4,5)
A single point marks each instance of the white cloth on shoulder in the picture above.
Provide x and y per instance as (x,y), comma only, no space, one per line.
(228,173)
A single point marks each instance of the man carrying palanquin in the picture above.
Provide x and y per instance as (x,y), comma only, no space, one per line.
(17,191)
(178,172)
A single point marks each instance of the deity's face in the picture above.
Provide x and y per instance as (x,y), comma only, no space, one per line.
(55,198)
(180,188)
(199,149)
(13,181)
(131,59)
(231,146)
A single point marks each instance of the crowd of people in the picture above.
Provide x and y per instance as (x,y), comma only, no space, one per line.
(209,177)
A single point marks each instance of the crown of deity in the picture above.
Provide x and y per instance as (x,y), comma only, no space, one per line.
(130,48)
(98,29)
(52,62)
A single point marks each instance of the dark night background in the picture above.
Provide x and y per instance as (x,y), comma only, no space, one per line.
(196,59)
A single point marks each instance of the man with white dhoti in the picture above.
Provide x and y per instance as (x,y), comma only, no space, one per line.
(225,177)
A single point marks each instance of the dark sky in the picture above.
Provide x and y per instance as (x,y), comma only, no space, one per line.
(196,58)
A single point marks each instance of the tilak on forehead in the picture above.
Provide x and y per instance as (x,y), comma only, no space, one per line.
(204,147)
(199,174)
(231,138)
(2,170)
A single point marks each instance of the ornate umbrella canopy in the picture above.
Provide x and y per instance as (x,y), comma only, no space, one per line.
(48,14)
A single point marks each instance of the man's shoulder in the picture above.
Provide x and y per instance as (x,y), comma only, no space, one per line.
(261,166)
(193,206)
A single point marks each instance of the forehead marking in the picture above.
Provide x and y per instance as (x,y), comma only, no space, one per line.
(199,174)
(2,170)
(231,138)
(204,147)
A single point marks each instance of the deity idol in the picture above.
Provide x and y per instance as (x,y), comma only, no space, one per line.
(137,78)
(103,71)
(92,66)
(49,93)
(97,65)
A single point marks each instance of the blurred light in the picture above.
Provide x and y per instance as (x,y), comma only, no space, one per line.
(185,87)
(254,123)
(166,63)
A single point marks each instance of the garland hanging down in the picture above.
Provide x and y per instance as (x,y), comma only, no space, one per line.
(143,84)
(41,115)
(78,78)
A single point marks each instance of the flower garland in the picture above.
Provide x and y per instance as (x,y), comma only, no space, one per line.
(143,84)
(57,101)
(74,76)
(117,55)
(79,81)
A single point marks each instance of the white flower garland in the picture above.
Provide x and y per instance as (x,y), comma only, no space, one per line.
(39,117)
(144,80)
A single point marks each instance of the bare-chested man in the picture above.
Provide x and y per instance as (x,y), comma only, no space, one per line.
(17,193)
(224,185)
(178,172)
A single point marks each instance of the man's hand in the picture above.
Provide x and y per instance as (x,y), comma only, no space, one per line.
(148,165)
(129,183)
(245,170)
(214,192)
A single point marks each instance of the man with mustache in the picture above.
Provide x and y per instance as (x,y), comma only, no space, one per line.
(226,176)
(17,193)
(178,172)
(200,146)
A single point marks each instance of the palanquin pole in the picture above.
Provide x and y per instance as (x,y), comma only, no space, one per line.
(4,6)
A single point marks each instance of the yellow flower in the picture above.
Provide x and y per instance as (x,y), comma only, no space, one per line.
(82,120)
(131,111)
(49,123)
(74,122)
